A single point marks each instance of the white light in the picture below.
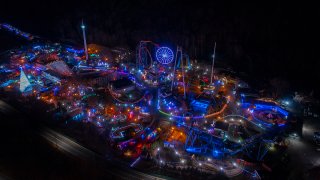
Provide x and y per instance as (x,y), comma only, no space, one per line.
(221,168)
(200,164)
(182,160)
(234,164)
(158,149)
(209,159)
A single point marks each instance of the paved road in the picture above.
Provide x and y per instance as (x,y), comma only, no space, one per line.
(305,155)
(68,145)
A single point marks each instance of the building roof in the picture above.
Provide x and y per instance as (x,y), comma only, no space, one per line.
(121,83)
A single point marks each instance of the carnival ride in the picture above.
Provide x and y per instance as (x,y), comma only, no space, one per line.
(126,132)
(266,114)
(178,95)
(144,56)
(164,55)
(255,144)
(217,143)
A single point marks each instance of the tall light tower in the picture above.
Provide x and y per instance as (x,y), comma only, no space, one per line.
(182,70)
(213,56)
(174,67)
(180,54)
(83,27)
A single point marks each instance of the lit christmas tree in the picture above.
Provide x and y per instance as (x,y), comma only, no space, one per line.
(24,82)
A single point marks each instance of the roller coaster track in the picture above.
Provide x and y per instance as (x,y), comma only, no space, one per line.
(196,117)
(143,48)
(261,139)
(125,102)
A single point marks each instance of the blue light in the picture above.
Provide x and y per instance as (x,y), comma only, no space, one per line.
(75,51)
(200,105)
(287,102)
(164,55)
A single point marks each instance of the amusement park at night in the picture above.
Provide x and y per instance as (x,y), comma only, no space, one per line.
(154,111)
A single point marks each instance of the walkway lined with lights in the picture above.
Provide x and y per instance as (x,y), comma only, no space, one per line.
(195,117)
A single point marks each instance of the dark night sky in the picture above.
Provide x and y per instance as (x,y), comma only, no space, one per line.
(266,40)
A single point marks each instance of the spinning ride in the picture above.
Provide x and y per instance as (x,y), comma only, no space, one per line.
(164,55)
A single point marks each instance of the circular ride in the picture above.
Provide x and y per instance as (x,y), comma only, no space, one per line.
(269,115)
(164,55)
(152,63)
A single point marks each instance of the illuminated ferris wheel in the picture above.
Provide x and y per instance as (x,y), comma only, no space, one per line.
(164,55)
